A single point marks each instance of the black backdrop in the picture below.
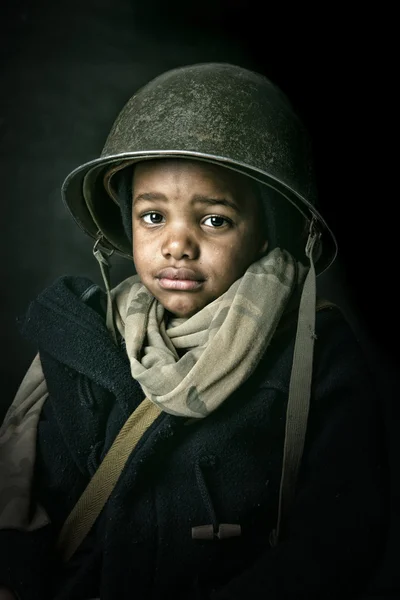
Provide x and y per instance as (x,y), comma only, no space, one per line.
(68,68)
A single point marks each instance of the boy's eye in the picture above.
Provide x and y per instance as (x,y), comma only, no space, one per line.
(153,218)
(216,221)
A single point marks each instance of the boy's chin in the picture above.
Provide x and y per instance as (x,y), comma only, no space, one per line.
(182,308)
(182,313)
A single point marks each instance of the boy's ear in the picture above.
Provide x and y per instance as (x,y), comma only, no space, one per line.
(263,247)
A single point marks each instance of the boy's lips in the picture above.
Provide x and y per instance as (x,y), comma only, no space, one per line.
(179,279)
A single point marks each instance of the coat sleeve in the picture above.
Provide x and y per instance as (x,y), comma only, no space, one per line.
(26,534)
(334,534)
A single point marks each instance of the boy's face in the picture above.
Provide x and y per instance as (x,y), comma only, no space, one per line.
(196,229)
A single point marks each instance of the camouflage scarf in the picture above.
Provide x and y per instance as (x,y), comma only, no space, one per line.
(223,342)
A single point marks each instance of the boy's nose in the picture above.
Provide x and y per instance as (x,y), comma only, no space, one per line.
(180,244)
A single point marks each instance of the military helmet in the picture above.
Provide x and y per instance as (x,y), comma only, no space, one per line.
(214,112)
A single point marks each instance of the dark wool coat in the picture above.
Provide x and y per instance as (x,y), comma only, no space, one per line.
(183,474)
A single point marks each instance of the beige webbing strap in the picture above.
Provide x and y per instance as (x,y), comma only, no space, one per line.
(97,492)
(299,389)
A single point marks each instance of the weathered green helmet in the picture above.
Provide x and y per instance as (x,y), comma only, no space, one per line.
(215,112)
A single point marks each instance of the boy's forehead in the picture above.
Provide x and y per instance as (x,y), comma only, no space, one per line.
(164,171)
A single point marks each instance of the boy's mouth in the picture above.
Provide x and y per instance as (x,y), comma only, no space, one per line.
(179,279)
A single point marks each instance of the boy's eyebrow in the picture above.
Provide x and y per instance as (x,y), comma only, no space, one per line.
(196,199)
(151,196)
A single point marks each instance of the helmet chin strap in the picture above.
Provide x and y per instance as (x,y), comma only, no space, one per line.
(299,388)
(102,255)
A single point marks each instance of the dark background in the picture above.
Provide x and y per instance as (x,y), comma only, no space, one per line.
(67,69)
(69,66)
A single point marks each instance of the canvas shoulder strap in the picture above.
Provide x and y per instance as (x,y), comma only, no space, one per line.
(100,487)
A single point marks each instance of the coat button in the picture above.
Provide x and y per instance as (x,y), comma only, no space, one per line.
(225,531)
(69,372)
(203,532)
(228,530)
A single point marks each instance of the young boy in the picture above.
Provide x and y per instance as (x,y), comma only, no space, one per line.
(206,429)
